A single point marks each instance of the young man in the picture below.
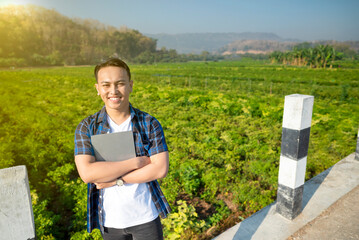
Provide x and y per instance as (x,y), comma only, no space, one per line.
(124,198)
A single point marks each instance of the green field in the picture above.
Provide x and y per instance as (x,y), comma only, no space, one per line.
(222,122)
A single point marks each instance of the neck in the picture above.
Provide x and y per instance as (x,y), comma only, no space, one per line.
(119,116)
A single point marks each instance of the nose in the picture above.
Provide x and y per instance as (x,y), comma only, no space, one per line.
(113,89)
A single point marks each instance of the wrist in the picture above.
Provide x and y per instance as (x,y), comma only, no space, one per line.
(120,182)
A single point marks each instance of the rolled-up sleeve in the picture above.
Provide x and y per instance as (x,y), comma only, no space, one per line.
(157,138)
(83,139)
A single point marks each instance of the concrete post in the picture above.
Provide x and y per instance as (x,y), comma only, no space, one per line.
(297,118)
(357,150)
(16,216)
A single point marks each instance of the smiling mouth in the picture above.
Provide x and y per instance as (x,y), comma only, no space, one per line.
(114,99)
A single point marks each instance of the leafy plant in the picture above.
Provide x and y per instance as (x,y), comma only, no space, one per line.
(183,223)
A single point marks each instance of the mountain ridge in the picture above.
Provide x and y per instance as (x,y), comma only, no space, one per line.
(236,43)
(211,42)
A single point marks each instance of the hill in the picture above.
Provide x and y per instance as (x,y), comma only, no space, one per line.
(240,43)
(266,46)
(255,47)
(32,35)
(211,42)
(36,36)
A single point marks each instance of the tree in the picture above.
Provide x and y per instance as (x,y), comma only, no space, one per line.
(45,37)
(130,43)
(320,56)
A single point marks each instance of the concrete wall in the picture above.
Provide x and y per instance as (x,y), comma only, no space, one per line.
(16,216)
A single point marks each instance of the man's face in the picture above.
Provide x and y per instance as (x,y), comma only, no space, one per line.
(114,87)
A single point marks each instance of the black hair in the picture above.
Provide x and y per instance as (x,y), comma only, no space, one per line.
(114,62)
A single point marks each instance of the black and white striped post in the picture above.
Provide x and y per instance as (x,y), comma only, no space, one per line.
(357,150)
(297,119)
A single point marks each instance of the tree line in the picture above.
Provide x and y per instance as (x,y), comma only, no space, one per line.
(320,56)
(35,36)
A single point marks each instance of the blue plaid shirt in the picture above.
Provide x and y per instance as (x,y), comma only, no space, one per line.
(149,140)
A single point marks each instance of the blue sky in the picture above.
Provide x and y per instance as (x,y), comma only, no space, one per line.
(298,19)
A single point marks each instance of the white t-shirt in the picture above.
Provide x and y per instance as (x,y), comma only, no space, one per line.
(130,204)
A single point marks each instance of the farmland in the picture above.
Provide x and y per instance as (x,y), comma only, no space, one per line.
(222,122)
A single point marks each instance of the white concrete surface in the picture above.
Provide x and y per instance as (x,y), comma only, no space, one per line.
(319,194)
(292,172)
(340,221)
(298,111)
(16,216)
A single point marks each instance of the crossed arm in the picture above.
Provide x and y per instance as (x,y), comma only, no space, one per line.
(135,170)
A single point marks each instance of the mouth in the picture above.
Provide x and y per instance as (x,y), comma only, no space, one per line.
(114,99)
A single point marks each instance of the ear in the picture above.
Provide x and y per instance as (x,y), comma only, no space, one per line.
(131,86)
(96,86)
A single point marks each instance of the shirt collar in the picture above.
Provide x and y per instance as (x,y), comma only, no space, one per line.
(132,111)
(103,114)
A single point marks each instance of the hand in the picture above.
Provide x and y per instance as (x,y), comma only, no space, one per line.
(105,184)
(142,161)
